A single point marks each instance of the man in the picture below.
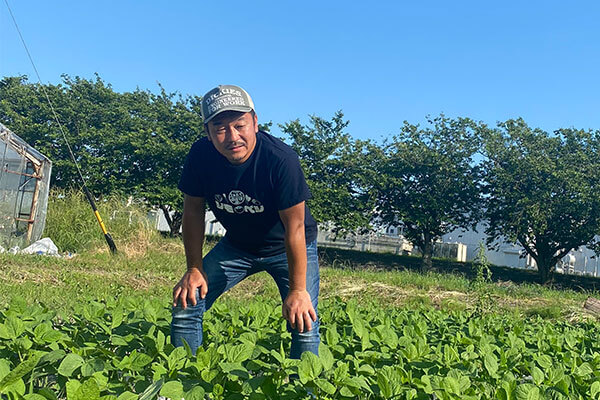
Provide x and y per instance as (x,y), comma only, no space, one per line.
(254,185)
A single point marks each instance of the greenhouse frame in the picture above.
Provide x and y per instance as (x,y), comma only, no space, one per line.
(24,185)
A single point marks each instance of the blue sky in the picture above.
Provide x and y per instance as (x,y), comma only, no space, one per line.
(380,62)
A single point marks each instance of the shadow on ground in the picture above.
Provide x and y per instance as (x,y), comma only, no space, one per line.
(341,258)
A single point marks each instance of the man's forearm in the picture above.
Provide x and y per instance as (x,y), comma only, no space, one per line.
(193,239)
(295,246)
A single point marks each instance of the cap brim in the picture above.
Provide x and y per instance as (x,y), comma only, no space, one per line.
(232,108)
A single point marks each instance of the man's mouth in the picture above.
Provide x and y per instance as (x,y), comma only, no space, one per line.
(235,147)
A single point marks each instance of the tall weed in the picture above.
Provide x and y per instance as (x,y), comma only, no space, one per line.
(72,226)
(484,301)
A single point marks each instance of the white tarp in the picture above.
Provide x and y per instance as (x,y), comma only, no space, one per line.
(43,246)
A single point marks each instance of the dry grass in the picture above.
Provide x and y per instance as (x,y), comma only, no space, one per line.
(403,296)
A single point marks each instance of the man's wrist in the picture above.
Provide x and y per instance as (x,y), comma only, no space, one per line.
(192,268)
(297,289)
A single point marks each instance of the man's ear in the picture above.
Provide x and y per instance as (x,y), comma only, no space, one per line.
(207,132)
(255,123)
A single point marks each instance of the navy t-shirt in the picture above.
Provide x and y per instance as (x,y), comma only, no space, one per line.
(246,198)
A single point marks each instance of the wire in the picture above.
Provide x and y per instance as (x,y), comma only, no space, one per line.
(62,131)
(107,236)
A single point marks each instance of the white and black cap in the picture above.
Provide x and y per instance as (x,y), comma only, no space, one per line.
(225,98)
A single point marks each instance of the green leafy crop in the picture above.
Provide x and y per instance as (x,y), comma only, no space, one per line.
(120,350)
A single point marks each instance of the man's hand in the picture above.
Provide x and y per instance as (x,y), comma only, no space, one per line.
(298,310)
(186,288)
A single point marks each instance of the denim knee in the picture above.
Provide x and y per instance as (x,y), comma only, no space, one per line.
(186,324)
(305,341)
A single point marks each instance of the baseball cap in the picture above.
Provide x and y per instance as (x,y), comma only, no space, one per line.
(225,98)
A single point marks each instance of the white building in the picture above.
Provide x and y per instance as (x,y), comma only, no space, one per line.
(212,226)
(582,261)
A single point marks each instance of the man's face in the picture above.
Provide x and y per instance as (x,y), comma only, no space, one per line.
(233,134)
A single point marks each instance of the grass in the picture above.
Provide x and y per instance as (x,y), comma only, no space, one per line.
(73,227)
(150,265)
(63,283)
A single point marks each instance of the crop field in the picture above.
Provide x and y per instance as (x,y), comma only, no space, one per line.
(119,349)
(96,326)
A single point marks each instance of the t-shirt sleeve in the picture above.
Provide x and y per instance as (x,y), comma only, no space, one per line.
(290,185)
(191,182)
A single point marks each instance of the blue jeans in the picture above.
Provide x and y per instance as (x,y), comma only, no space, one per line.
(225,266)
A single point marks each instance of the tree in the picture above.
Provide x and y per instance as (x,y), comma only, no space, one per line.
(132,143)
(429,181)
(543,190)
(338,171)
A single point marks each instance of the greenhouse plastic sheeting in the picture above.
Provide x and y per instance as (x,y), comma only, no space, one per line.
(24,185)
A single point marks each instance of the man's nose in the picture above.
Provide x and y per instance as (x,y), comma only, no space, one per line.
(232,134)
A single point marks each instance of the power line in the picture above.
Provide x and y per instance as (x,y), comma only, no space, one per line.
(107,236)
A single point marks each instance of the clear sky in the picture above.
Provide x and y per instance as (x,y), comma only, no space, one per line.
(380,62)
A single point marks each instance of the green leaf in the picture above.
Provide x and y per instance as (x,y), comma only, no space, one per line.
(544,361)
(235,369)
(172,390)
(34,396)
(595,390)
(40,330)
(128,396)
(209,374)
(69,364)
(119,340)
(160,341)
(389,380)
(53,356)
(117,317)
(48,394)
(527,391)
(20,371)
(502,394)
(151,391)
(178,357)
(384,386)
(71,386)
(583,370)
(491,363)
(139,360)
(452,385)
(87,391)
(325,386)
(537,375)
(326,357)
(92,366)
(238,353)
(340,372)
(218,389)
(4,333)
(310,367)
(23,343)
(196,393)
(14,326)
(366,369)
(331,335)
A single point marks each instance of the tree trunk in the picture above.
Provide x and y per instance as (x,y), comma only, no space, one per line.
(177,219)
(593,305)
(426,262)
(175,222)
(545,270)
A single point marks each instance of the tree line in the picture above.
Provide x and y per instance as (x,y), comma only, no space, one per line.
(536,188)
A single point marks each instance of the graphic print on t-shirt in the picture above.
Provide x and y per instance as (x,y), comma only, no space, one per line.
(236,202)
